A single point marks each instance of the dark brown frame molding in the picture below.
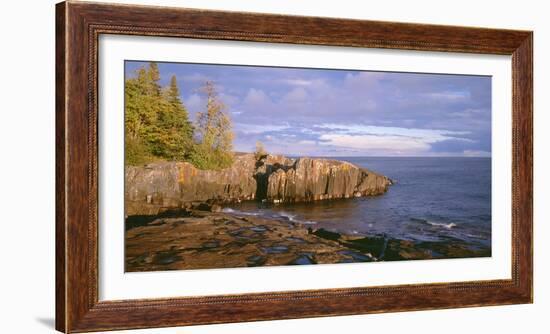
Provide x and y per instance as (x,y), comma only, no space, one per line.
(78,25)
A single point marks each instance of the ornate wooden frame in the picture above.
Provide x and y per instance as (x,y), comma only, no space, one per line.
(78,25)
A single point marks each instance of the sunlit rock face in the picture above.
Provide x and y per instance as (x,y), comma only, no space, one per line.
(273,178)
(320,179)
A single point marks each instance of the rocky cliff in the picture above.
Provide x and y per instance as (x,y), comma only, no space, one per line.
(318,179)
(157,186)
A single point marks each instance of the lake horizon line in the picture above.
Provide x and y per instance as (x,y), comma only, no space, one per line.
(293,156)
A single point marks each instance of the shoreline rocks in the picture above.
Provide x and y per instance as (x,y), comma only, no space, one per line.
(194,239)
(206,240)
(274,178)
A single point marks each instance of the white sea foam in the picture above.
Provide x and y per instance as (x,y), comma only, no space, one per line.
(282,214)
(292,218)
(245,213)
(308,222)
(287,215)
(425,221)
(449,225)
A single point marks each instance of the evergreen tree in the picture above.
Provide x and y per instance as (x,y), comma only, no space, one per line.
(173,91)
(175,130)
(143,105)
(141,110)
(154,78)
(157,124)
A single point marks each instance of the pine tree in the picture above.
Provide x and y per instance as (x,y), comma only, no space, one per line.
(176,131)
(141,112)
(173,91)
(143,105)
(157,124)
(154,78)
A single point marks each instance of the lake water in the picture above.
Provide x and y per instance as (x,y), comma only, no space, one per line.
(433,199)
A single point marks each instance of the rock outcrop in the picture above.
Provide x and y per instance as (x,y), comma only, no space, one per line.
(150,188)
(319,179)
(157,186)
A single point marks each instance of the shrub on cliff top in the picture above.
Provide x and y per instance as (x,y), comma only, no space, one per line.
(260,151)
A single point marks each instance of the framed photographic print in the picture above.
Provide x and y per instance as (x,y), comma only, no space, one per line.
(223,166)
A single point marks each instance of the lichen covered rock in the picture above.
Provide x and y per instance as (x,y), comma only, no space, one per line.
(150,189)
(180,184)
(320,179)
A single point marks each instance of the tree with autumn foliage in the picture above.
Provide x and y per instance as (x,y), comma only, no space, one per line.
(214,135)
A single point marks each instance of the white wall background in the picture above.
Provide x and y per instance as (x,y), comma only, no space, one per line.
(27,69)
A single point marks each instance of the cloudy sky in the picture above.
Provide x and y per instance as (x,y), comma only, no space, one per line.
(320,112)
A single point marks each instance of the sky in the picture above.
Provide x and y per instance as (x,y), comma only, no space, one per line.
(325,112)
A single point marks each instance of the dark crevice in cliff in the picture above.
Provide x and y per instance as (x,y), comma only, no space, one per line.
(261,180)
(262,173)
(261,186)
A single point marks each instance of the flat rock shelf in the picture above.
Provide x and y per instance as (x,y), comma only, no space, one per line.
(201,239)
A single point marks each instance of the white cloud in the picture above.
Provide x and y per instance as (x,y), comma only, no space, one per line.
(258,128)
(390,140)
(426,135)
(297,82)
(194,102)
(449,96)
(393,144)
(297,95)
(229,99)
(256,97)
